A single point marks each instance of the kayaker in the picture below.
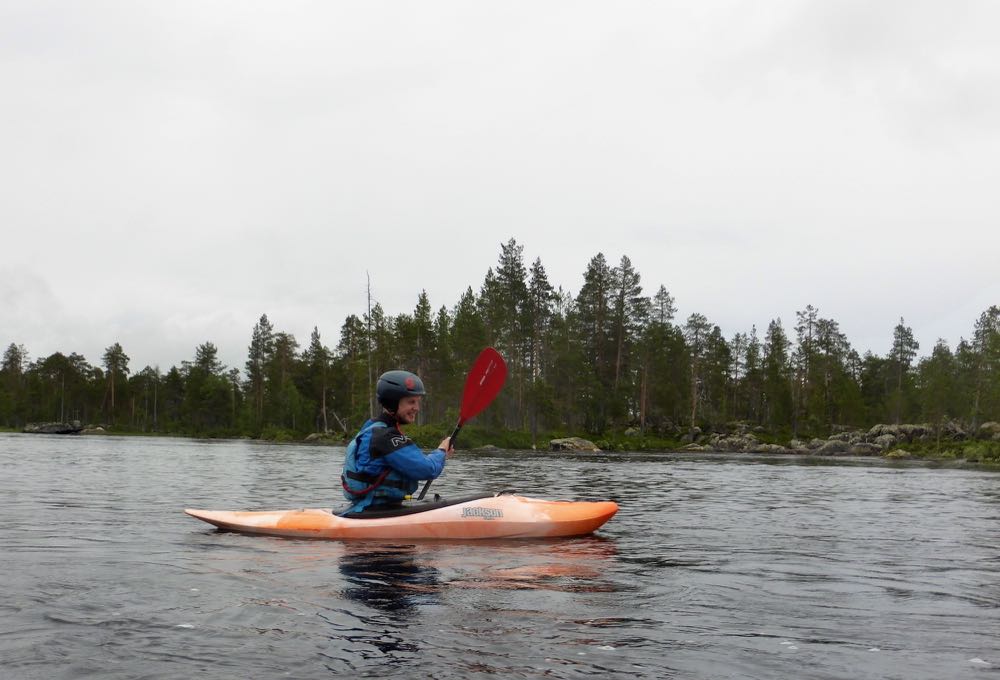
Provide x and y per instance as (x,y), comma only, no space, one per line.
(383,466)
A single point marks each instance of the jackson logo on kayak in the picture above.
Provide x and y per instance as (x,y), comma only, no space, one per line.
(485,513)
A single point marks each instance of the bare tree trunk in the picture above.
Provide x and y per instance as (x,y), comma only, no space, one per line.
(643,392)
(326,427)
(694,397)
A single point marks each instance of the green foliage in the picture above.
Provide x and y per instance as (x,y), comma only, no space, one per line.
(277,434)
(973,451)
(608,360)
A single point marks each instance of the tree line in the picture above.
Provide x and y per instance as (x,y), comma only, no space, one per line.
(608,358)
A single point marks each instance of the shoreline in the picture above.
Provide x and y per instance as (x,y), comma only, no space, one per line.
(961,452)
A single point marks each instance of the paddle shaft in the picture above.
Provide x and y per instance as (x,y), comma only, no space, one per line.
(482,385)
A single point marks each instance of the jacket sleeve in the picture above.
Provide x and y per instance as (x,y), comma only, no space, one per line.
(411,462)
(404,456)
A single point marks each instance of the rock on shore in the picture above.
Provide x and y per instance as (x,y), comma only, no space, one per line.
(880,440)
(572,444)
(53,428)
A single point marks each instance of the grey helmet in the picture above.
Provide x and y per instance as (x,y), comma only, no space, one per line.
(394,385)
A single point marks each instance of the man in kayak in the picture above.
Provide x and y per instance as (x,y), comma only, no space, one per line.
(383,466)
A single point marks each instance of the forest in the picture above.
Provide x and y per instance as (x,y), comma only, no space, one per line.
(608,359)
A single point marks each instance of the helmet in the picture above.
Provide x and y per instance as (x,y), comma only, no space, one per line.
(394,385)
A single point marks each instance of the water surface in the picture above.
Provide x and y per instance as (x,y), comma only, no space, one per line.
(715,567)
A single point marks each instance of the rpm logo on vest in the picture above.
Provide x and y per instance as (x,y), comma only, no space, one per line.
(485,513)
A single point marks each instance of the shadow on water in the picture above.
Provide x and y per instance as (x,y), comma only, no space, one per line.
(397,579)
(392,579)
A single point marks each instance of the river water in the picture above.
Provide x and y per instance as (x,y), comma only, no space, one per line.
(715,567)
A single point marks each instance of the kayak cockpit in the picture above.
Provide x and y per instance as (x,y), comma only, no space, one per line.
(413,508)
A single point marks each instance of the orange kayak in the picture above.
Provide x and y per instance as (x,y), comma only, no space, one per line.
(474,517)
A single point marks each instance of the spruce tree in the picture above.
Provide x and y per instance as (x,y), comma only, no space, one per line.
(260,351)
(904,349)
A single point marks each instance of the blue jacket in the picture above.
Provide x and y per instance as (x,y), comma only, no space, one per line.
(382,465)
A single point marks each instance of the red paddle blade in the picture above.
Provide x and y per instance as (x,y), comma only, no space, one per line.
(483,383)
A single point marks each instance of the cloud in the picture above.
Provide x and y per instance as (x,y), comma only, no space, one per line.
(173,171)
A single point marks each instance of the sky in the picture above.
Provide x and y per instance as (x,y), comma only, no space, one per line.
(170,171)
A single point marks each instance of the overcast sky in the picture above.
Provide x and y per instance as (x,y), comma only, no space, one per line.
(169,171)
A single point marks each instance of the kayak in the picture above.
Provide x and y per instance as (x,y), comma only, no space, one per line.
(502,515)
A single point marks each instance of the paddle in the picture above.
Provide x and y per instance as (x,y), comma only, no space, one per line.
(482,385)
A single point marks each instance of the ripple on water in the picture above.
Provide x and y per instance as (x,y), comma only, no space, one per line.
(714,567)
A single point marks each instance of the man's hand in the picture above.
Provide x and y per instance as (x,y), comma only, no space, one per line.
(445,445)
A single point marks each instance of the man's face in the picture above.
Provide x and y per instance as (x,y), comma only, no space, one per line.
(408,409)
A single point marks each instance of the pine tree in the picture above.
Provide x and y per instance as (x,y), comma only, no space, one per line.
(424,341)
(904,349)
(777,395)
(664,377)
(441,374)
(12,384)
(468,332)
(260,352)
(511,317)
(696,334)
(207,397)
(286,403)
(539,312)
(753,376)
(352,371)
(737,375)
(317,361)
(937,380)
(804,360)
(629,312)
(115,363)
(490,305)
(985,355)
(594,328)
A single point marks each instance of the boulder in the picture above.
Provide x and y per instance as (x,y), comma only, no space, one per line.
(633,432)
(850,437)
(734,443)
(885,441)
(864,449)
(487,448)
(913,432)
(770,448)
(952,429)
(897,454)
(834,447)
(879,430)
(690,434)
(572,444)
(738,427)
(696,448)
(93,429)
(990,430)
(53,428)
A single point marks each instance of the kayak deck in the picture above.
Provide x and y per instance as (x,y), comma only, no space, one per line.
(472,517)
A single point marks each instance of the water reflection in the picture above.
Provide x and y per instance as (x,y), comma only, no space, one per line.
(579,565)
(714,567)
(388,578)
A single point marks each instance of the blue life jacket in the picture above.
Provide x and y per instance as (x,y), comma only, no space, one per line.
(368,480)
